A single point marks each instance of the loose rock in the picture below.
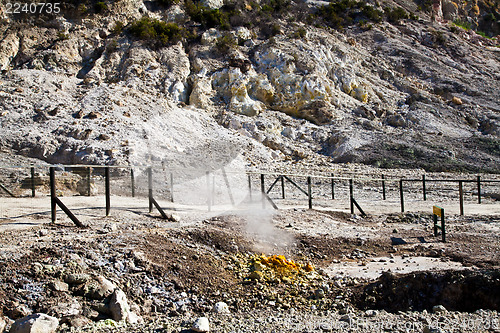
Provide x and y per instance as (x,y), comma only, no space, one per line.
(35,323)
(201,325)
(221,307)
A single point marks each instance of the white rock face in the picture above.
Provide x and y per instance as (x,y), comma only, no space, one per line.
(8,50)
(210,36)
(201,325)
(35,323)
(213,4)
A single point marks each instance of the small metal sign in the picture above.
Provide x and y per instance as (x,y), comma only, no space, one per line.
(437,210)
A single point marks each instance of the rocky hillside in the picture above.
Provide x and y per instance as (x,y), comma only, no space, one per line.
(391,84)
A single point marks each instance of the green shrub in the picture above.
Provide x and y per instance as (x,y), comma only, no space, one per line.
(117,28)
(209,18)
(62,36)
(345,12)
(372,14)
(100,7)
(396,14)
(300,33)
(112,46)
(225,44)
(462,24)
(157,32)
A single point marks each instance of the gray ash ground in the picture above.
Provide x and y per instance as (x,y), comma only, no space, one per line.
(173,273)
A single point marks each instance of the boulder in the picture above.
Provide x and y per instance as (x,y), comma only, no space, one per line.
(201,325)
(221,307)
(120,309)
(100,288)
(35,323)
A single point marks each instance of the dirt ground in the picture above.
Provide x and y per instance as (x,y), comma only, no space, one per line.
(210,255)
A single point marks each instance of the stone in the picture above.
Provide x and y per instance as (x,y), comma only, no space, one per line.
(3,325)
(201,325)
(79,321)
(439,309)
(35,323)
(319,293)
(120,309)
(59,285)
(371,313)
(396,120)
(76,278)
(221,307)
(94,115)
(457,101)
(100,288)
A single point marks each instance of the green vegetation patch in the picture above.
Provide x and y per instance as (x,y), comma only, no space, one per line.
(157,32)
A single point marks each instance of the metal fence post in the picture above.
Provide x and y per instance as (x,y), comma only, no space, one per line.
(150,188)
(423,188)
(89,178)
(250,187)
(461,194)
(263,190)
(209,200)
(333,188)
(282,187)
(132,181)
(401,194)
(33,182)
(478,189)
(383,187)
(171,187)
(108,190)
(52,193)
(309,191)
(351,195)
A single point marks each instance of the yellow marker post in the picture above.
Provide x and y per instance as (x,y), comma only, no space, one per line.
(438,211)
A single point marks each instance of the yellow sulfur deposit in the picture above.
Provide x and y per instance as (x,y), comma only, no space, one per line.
(276,266)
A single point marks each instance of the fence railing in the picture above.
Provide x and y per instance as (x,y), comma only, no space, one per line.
(160,183)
